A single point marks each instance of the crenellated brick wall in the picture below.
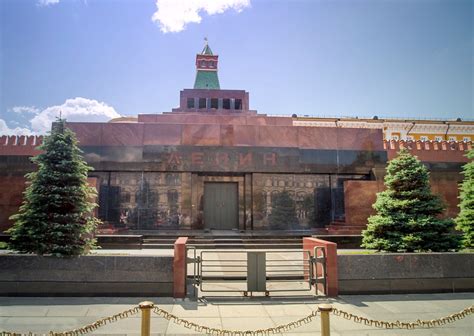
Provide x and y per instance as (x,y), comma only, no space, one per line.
(20,144)
(430,151)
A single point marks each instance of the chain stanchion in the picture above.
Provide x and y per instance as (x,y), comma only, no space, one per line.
(325,309)
(146,307)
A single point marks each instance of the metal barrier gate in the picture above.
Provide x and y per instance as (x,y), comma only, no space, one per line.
(250,271)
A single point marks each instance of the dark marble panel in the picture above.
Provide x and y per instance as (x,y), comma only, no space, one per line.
(360,161)
(291,201)
(15,165)
(126,134)
(323,205)
(159,134)
(444,166)
(143,200)
(319,160)
(233,158)
(204,135)
(278,136)
(96,154)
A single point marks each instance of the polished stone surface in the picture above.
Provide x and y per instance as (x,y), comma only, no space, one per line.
(86,275)
(44,314)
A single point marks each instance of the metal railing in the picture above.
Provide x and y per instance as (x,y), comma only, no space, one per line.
(248,271)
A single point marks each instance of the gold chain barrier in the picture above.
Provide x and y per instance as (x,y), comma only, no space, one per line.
(85,329)
(405,325)
(226,332)
(325,309)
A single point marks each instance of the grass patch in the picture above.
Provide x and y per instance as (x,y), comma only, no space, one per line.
(3,245)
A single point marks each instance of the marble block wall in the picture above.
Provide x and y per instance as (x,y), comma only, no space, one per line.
(360,195)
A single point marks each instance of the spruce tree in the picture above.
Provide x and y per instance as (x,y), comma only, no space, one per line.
(56,215)
(283,215)
(408,213)
(465,219)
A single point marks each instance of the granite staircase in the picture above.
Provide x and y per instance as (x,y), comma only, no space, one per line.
(342,228)
(227,242)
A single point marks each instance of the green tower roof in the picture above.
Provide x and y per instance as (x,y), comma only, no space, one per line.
(206,50)
(207,80)
(206,75)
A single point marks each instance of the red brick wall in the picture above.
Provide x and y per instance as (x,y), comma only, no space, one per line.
(360,195)
(431,151)
(20,145)
(358,199)
(11,197)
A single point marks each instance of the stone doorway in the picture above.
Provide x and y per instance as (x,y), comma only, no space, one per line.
(221,205)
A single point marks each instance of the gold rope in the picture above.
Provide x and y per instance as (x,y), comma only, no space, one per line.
(405,325)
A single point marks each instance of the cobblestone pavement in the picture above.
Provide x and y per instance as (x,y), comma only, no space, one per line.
(44,314)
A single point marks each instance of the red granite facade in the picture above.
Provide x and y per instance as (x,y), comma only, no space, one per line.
(213,163)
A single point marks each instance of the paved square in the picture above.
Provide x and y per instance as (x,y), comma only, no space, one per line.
(41,315)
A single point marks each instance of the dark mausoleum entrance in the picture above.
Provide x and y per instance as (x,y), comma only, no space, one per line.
(221,205)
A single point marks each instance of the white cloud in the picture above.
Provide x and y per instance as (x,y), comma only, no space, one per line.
(47,2)
(75,109)
(174,15)
(25,109)
(5,130)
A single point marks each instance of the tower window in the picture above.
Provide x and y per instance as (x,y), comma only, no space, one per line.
(226,104)
(214,103)
(190,102)
(202,103)
(238,104)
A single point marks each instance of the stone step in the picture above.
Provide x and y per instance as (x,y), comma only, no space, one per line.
(227,246)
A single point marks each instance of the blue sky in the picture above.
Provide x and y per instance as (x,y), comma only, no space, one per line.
(95,59)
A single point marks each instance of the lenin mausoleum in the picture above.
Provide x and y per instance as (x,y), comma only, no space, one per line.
(215,164)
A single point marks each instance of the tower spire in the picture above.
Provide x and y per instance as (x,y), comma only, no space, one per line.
(206,69)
